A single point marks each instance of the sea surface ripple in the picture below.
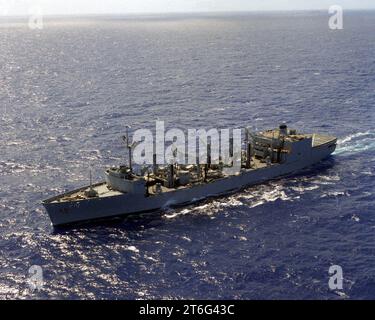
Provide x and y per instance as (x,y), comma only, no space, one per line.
(68,91)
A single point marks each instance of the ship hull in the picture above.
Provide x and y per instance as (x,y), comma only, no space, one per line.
(67,213)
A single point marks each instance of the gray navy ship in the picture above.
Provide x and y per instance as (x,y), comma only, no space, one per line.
(268,155)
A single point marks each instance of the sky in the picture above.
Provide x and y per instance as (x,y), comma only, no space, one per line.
(23,7)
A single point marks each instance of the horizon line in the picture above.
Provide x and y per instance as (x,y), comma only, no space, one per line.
(179,12)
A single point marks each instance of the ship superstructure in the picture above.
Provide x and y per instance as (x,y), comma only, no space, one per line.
(267,155)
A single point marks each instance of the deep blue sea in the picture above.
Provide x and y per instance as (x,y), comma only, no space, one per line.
(68,91)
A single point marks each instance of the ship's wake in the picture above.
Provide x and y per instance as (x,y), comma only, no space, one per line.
(286,190)
(356,143)
(250,197)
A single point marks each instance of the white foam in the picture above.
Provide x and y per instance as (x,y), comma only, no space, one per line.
(356,143)
(304,189)
(132,248)
(354,136)
(355,218)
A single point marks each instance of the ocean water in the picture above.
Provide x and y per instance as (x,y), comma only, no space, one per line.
(68,91)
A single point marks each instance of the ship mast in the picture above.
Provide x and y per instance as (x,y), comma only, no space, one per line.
(129,146)
(90,178)
(248,148)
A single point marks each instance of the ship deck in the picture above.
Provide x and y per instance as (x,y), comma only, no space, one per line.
(320,140)
(79,194)
(103,190)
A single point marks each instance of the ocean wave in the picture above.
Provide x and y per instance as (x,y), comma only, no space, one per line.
(356,143)
(14,167)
